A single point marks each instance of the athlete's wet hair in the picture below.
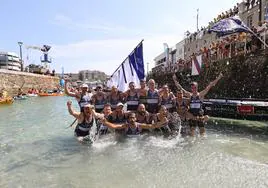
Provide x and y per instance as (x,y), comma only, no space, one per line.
(131,114)
(179,91)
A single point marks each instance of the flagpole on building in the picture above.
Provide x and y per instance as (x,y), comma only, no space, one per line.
(127,57)
(197,19)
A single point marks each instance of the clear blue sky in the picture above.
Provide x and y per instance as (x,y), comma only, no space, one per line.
(98,35)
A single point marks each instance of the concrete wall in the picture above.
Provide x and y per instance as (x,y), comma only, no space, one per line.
(11,81)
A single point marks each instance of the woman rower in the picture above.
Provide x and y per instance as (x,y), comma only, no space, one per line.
(85,120)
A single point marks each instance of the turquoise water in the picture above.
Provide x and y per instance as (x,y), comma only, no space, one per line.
(38,151)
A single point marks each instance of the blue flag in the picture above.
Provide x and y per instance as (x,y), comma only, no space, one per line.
(131,70)
(136,60)
(229,26)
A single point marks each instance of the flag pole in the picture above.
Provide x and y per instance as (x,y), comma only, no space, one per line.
(197,17)
(127,57)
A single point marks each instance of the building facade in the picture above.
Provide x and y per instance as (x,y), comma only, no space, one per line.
(251,12)
(89,75)
(180,50)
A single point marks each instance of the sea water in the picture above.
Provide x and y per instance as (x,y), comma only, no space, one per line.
(38,150)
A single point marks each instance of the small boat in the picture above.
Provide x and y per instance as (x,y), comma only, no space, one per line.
(32,95)
(22,97)
(50,94)
(7,100)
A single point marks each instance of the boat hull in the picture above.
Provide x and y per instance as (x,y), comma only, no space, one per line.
(50,94)
(7,100)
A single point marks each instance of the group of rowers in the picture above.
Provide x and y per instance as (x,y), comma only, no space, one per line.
(148,109)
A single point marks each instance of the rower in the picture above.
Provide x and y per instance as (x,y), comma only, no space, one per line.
(99,99)
(196,99)
(131,127)
(132,97)
(85,120)
(152,98)
(142,91)
(114,97)
(167,99)
(83,97)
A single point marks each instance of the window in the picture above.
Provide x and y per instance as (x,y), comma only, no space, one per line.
(249,20)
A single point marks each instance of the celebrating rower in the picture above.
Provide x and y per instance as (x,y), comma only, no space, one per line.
(196,99)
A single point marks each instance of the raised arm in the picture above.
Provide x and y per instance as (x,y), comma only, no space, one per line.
(71,111)
(71,94)
(177,84)
(210,85)
(155,125)
(97,115)
(113,126)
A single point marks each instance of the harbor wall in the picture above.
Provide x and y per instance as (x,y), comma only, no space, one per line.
(11,81)
(244,77)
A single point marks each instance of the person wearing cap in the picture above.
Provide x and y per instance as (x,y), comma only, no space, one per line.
(118,115)
(132,97)
(85,120)
(83,97)
(99,99)
(195,106)
(131,127)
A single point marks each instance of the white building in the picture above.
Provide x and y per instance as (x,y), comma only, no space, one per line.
(175,53)
(180,50)
(10,61)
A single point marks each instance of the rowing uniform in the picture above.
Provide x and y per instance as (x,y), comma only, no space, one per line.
(181,108)
(152,101)
(84,100)
(168,103)
(82,129)
(114,102)
(132,102)
(196,110)
(135,131)
(99,104)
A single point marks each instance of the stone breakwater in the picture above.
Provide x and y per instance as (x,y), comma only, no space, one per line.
(11,81)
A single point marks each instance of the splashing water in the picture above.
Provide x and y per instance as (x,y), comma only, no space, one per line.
(38,151)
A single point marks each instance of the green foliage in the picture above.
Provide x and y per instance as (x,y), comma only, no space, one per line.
(244,77)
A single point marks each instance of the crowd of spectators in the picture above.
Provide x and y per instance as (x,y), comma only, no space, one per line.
(204,30)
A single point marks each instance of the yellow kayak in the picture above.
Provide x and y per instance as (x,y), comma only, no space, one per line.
(7,100)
